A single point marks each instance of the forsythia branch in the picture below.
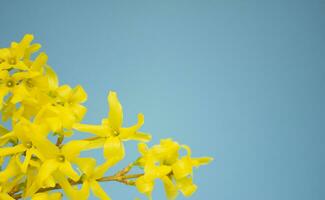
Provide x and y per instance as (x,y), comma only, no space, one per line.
(34,158)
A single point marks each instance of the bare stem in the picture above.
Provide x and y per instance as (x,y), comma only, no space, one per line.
(59,140)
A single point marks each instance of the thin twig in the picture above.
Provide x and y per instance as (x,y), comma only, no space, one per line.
(59,140)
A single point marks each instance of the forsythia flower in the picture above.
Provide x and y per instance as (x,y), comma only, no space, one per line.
(35,159)
(162,162)
(111,131)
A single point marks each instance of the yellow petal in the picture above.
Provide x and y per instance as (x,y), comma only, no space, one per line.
(79,95)
(158,171)
(67,170)
(95,129)
(53,78)
(19,94)
(40,196)
(3,130)
(139,136)
(186,186)
(26,161)
(182,168)
(11,170)
(86,165)
(114,148)
(5,196)
(142,148)
(71,192)
(98,191)
(144,185)
(39,62)
(45,146)
(78,110)
(47,168)
(73,148)
(43,196)
(127,132)
(170,188)
(49,182)
(23,45)
(201,161)
(4,151)
(101,169)
(5,138)
(64,91)
(55,196)
(115,114)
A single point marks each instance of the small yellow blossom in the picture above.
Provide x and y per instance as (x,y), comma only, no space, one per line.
(163,162)
(111,131)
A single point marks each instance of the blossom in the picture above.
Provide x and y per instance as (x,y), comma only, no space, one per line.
(14,56)
(56,159)
(26,146)
(163,162)
(111,132)
(91,173)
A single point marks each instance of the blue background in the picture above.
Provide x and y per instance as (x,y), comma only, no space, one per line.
(242,81)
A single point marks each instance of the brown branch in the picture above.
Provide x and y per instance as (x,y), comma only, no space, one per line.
(59,140)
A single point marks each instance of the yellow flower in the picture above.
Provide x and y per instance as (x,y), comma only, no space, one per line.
(9,84)
(26,146)
(166,154)
(63,108)
(89,178)
(56,159)
(14,56)
(111,132)
(145,183)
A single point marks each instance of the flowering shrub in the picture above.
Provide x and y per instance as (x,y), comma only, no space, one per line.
(35,161)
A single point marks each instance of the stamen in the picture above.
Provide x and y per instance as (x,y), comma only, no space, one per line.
(12,61)
(10,83)
(29,145)
(115,132)
(61,158)
(29,83)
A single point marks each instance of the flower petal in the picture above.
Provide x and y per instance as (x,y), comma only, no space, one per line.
(94,129)
(71,192)
(114,148)
(73,148)
(182,167)
(98,191)
(115,114)
(5,196)
(66,169)
(127,132)
(39,62)
(79,95)
(170,188)
(144,185)
(4,151)
(186,186)
(53,78)
(86,165)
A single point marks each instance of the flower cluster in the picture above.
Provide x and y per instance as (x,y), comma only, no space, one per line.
(40,113)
